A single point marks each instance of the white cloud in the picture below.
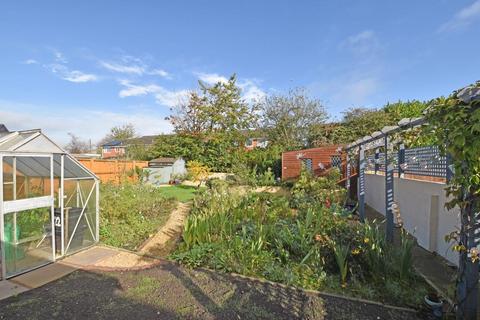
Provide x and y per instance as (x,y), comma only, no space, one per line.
(210,78)
(122,68)
(59,57)
(83,122)
(160,72)
(162,95)
(462,18)
(363,43)
(30,61)
(251,92)
(133,66)
(71,75)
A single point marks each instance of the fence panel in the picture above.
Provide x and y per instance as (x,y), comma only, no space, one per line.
(114,171)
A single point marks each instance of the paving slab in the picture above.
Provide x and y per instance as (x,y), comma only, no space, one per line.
(43,275)
(90,256)
(9,288)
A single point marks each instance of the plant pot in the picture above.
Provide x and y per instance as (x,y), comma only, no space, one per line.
(433,304)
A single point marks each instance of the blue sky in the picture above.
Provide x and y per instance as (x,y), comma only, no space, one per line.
(84,66)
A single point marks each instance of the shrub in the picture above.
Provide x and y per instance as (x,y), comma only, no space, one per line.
(198,171)
(309,189)
(130,212)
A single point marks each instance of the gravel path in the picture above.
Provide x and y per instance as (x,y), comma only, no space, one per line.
(172,228)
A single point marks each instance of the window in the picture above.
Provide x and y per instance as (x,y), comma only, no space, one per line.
(307,164)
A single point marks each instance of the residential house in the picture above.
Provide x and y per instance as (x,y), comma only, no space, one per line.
(118,149)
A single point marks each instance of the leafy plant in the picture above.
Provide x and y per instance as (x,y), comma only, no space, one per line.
(341,256)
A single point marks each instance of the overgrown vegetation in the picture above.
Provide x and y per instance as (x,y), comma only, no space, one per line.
(130,213)
(306,240)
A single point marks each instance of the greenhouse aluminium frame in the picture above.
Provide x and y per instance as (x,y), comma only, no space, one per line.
(49,203)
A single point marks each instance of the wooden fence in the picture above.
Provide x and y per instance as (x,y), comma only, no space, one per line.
(114,171)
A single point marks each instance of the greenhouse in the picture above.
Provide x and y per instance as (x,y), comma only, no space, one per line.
(48,202)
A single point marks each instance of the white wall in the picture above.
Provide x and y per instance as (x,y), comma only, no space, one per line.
(422,208)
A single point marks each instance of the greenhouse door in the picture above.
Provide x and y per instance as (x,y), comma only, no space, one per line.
(26,207)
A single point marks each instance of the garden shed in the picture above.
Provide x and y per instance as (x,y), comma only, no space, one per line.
(164,170)
(48,202)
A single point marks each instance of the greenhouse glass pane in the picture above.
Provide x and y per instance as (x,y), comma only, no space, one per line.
(80,215)
(28,240)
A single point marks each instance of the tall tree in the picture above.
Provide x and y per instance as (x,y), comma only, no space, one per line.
(120,133)
(77,145)
(289,118)
(217,108)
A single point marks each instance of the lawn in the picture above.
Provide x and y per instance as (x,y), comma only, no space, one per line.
(179,192)
(305,239)
(130,213)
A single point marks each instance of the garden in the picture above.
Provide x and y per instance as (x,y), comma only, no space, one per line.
(305,239)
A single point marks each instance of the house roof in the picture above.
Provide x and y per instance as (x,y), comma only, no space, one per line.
(113,143)
(146,140)
(3,129)
(163,160)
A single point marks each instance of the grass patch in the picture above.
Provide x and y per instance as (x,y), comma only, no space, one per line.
(180,192)
(144,288)
(130,213)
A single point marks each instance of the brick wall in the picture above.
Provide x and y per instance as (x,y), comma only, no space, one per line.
(292,160)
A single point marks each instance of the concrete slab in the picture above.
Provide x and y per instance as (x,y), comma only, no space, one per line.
(90,256)
(43,275)
(10,288)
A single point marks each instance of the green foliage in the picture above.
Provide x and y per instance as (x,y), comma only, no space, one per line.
(289,118)
(359,122)
(260,234)
(341,252)
(218,108)
(455,121)
(130,213)
(324,190)
(197,171)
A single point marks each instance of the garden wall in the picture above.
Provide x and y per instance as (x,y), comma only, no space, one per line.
(422,209)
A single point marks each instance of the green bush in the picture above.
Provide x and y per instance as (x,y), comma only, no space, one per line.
(324,190)
(130,213)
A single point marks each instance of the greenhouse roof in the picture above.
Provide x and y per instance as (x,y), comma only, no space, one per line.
(32,144)
(32,141)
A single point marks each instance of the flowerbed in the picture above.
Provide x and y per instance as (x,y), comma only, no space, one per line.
(306,240)
(131,212)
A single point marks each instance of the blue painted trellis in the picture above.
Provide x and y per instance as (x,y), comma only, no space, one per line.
(361,183)
(426,161)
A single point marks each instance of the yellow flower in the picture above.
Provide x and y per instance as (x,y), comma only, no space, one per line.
(366,240)
(355,251)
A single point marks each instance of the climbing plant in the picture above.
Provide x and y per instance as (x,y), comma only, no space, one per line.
(455,121)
